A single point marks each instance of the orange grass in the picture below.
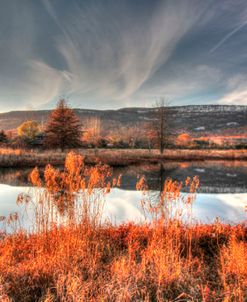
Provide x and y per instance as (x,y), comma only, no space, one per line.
(114,157)
(86,259)
(10,151)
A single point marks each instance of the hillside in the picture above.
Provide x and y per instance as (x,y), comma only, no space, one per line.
(197,119)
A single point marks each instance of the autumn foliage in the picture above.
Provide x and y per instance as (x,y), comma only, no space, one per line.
(28,129)
(184,139)
(73,255)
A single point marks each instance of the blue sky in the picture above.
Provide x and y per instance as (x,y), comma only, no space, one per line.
(112,54)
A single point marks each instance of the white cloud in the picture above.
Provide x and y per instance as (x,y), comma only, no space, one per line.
(183,81)
(38,84)
(108,54)
(236,91)
(111,55)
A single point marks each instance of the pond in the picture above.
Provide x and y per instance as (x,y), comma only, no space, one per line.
(222,193)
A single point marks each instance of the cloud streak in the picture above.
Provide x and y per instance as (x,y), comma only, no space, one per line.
(114,54)
(114,59)
(183,80)
(228,36)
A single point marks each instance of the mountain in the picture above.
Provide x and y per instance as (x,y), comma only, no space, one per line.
(197,119)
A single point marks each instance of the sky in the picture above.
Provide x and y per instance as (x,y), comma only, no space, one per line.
(114,54)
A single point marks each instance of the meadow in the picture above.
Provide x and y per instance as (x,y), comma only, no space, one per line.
(71,254)
(113,157)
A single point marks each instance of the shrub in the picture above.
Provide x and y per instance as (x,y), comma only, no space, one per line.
(28,129)
(3,137)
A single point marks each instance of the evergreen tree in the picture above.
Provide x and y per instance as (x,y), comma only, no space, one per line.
(3,137)
(63,129)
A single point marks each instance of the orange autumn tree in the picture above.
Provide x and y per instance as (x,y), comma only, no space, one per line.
(184,139)
(64,128)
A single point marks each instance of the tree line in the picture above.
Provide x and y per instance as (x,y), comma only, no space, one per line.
(63,129)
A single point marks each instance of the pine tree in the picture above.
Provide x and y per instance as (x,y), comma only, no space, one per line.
(3,137)
(63,129)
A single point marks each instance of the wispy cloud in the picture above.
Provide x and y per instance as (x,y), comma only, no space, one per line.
(183,81)
(236,91)
(38,84)
(111,54)
(228,36)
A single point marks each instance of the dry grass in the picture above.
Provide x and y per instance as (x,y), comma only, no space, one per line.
(126,263)
(233,269)
(9,151)
(113,157)
(29,158)
(85,259)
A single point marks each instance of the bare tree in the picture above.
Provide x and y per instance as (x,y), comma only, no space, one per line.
(159,126)
(93,130)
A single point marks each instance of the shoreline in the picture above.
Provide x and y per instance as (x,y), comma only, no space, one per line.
(114,157)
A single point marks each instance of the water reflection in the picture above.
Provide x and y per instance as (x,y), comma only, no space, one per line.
(222,194)
(215,176)
(124,205)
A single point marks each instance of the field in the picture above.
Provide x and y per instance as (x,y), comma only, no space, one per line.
(25,158)
(72,255)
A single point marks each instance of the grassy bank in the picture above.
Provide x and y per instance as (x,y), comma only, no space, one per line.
(72,255)
(125,263)
(23,158)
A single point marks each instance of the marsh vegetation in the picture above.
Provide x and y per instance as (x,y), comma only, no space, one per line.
(73,254)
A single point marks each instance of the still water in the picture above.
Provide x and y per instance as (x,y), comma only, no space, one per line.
(222,193)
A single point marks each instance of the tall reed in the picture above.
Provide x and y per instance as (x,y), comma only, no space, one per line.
(73,255)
